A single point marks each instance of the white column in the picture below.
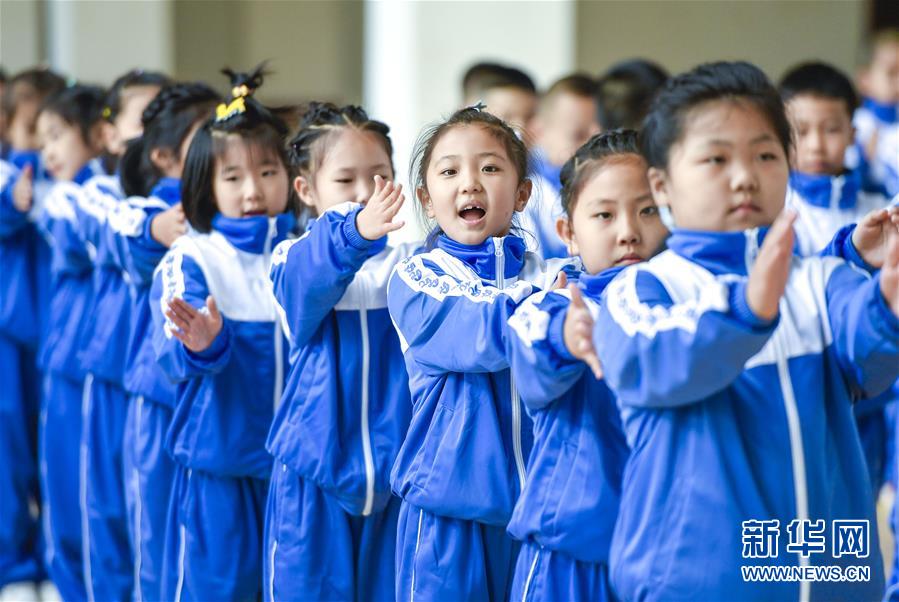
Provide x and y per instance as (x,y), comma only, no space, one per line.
(417,52)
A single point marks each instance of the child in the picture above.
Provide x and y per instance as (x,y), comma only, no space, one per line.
(24,280)
(877,120)
(228,364)
(108,560)
(735,365)
(509,93)
(625,91)
(461,466)
(566,120)
(824,193)
(142,231)
(567,510)
(331,518)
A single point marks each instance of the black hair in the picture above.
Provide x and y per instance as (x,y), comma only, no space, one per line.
(483,77)
(243,116)
(476,115)
(323,118)
(40,82)
(728,81)
(624,93)
(167,121)
(134,78)
(77,105)
(819,79)
(576,83)
(587,160)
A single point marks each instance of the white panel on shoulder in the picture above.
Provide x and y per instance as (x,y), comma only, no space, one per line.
(368,290)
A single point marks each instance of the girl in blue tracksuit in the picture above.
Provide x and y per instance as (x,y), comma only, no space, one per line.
(69,130)
(566,512)
(462,464)
(735,365)
(108,559)
(331,518)
(229,363)
(24,282)
(140,232)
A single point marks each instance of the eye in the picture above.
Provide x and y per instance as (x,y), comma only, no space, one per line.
(603,215)
(490,169)
(768,156)
(269,172)
(649,211)
(449,171)
(344,180)
(231,178)
(716,160)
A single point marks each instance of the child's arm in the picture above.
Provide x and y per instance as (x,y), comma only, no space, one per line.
(190,336)
(311,274)
(93,208)
(133,229)
(657,353)
(864,320)
(16,192)
(448,325)
(542,365)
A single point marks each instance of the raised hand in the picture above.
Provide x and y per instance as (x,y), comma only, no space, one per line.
(376,218)
(168,225)
(872,235)
(561,282)
(194,327)
(889,276)
(768,277)
(578,332)
(23,190)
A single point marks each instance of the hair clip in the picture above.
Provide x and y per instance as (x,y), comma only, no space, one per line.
(240,91)
(107,112)
(223,111)
(478,106)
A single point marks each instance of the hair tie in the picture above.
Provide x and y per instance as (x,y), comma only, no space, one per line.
(224,112)
(240,91)
(107,112)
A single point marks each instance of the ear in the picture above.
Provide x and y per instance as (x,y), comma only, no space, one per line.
(425,199)
(163,159)
(110,136)
(566,233)
(658,184)
(523,194)
(96,139)
(303,188)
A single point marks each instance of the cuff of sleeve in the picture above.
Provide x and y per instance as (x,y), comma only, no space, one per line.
(739,309)
(216,355)
(556,336)
(147,237)
(883,314)
(355,239)
(851,254)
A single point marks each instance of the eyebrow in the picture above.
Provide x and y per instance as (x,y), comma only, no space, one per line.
(484,154)
(757,140)
(640,199)
(370,168)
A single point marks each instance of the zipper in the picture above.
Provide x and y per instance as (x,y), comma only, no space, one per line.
(366,435)
(279,342)
(516,401)
(752,248)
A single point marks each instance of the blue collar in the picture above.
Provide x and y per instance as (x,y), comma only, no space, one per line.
(92,168)
(483,258)
(885,113)
(593,285)
(168,190)
(256,234)
(827,191)
(719,252)
(551,173)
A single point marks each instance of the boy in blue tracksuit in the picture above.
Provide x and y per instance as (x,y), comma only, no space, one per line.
(462,465)
(735,366)
(229,365)
(25,286)
(331,517)
(567,510)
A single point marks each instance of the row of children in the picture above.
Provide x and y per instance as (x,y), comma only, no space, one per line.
(474,430)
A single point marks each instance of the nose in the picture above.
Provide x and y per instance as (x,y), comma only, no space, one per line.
(743,175)
(364,189)
(252,189)
(628,231)
(471,181)
(815,140)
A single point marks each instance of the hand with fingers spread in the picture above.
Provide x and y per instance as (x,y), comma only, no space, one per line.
(23,190)
(768,277)
(168,225)
(578,332)
(872,235)
(195,328)
(376,218)
(889,276)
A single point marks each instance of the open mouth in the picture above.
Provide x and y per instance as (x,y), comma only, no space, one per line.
(472,213)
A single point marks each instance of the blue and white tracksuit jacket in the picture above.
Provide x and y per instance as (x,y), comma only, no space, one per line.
(881,172)
(225,400)
(566,513)
(345,411)
(462,465)
(544,207)
(24,298)
(733,421)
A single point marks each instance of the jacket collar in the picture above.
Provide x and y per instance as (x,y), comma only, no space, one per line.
(886,113)
(485,258)
(257,234)
(829,192)
(719,252)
